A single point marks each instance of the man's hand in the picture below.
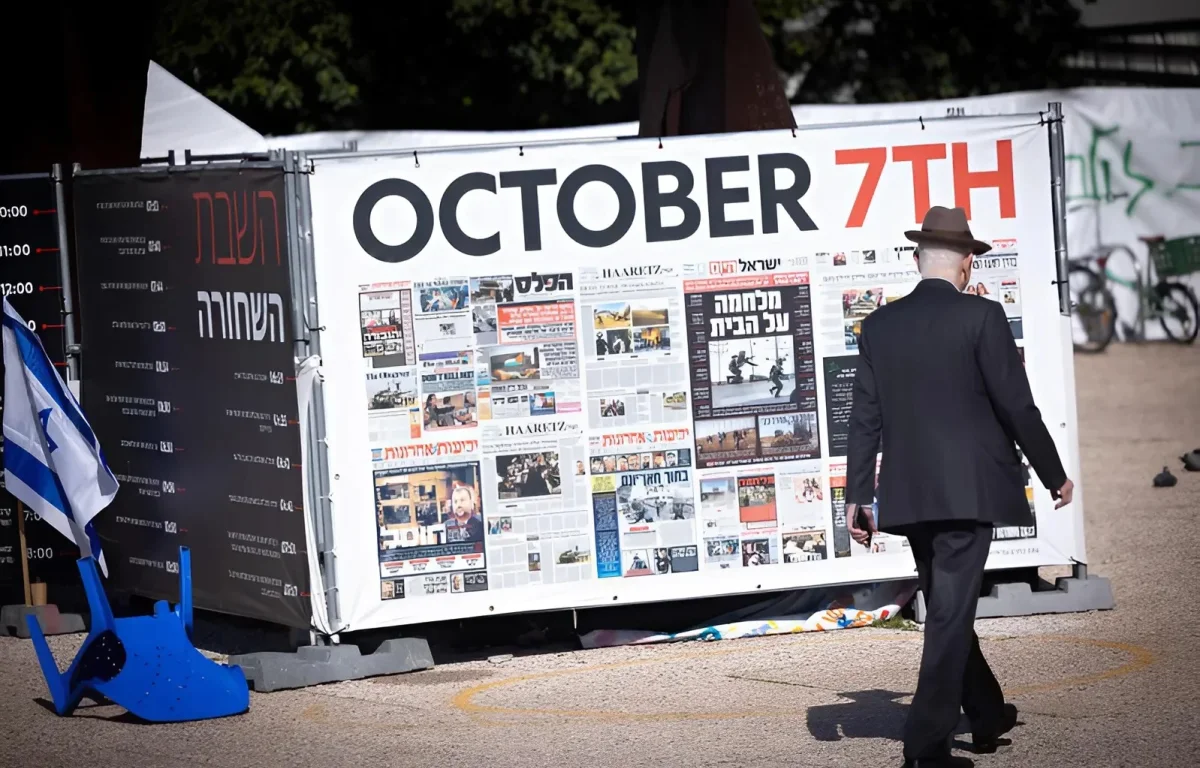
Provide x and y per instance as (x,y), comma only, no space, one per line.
(1064,494)
(862,536)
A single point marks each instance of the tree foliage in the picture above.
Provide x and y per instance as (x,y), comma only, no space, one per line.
(287,66)
(285,63)
(912,50)
(582,47)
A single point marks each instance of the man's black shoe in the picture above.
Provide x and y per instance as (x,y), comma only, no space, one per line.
(948,761)
(986,743)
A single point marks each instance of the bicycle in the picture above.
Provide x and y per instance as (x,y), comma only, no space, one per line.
(1092,303)
(1168,301)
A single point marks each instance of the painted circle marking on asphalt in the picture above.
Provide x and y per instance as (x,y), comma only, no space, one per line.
(465,700)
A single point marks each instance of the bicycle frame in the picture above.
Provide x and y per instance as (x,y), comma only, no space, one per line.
(1102,253)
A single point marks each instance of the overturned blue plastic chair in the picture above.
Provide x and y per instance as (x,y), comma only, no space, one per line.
(146,664)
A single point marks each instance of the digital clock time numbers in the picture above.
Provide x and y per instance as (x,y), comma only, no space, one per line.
(16,289)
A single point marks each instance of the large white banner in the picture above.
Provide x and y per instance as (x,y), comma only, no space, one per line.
(1132,162)
(574,375)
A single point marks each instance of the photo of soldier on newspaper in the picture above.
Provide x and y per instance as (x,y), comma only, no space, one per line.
(788,435)
(721,442)
(752,371)
(623,328)
(751,354)
(527,475)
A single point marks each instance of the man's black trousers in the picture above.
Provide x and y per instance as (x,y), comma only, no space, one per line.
(954,675)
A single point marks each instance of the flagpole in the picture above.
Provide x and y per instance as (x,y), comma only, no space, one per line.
(24,553)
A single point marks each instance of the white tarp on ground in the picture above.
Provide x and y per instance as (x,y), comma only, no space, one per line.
(178,118)
(1133,157)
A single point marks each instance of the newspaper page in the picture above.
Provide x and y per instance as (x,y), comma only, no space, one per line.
(389,353)
(636,368)
(430,519)
(836,260)
(539,528)
(643,502)
(442,310)
(752,366)
(448,388)
(843,545)
(1006,533)
(847,298)
(528,353)
(758,516)
(995,276)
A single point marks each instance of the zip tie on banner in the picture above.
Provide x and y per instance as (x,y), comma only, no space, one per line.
(416,159)
(660,142)
(793,131)
(521,151)
(921,120)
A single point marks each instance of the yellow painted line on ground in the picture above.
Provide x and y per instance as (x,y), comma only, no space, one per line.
(1140,658)
(465,700)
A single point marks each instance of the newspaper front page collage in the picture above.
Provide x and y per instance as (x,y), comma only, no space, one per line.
(618,422)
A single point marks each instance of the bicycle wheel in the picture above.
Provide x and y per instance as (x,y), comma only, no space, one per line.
(1179,311)
(1094,311)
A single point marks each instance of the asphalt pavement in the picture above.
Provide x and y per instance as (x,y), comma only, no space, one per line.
(1116,688)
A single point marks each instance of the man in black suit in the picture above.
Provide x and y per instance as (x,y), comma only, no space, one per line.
(941,381)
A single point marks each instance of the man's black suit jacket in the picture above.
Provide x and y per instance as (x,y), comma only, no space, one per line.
(941,380)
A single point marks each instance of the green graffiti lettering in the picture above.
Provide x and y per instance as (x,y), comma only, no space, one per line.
(1186,184)
(1096,177)
(1093,188)
(1147,182)
(1097,134)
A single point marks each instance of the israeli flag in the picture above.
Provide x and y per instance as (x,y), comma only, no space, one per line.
(52,460)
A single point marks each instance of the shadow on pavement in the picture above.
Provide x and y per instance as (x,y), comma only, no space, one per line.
(873,714)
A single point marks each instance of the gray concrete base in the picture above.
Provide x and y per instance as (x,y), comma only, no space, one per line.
(317,664)
(1071,594)
(12,620)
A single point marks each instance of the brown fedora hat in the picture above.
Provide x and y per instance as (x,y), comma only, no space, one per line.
(947,227)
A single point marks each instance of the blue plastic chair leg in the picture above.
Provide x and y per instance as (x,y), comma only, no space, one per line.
(185,589)
(102,616)
(55,682)
(183,609)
